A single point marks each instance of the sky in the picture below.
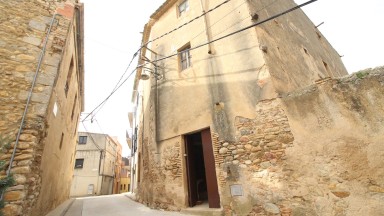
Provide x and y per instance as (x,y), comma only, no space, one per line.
(113,34)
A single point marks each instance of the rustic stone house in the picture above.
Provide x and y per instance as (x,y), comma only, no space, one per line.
(118,166)
(41,51)
(95,165)
(125,176)
(256,123)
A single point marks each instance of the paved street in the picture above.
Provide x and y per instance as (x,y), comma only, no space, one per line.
(114,205)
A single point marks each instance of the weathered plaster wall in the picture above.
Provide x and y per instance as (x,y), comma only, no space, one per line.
(58,155)
(335,163)
(40,158)
(89,174)
(315,151)
(229,91)
(224,76)
(296,54)
(98,170)
(118,166)
(325,160)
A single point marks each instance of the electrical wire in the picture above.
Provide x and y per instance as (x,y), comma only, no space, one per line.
(198,46)
(101,130)
(229,27)
(105,100)
(220,19)
(169,32)
(232,33)
(196,18)
(98,108)
(90,135)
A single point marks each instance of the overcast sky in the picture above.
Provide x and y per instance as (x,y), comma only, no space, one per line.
(112,35)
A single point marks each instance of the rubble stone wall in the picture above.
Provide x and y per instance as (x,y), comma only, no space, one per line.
(335,165)
(255,162)
(315,151)
(162,184)
(22,34)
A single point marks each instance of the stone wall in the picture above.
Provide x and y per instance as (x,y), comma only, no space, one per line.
(162,176)
(335,166)
(315,151)
(255,161)
(325,160)
(22,34)
(296,53)
(263,140)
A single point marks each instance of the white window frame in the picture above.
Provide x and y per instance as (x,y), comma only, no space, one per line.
(185,57)
(183,7)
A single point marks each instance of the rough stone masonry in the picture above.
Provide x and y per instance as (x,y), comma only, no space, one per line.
(23,29)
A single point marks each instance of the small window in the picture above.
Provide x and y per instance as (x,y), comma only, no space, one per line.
(185,57)
(61,140)
(69,75)
(183,7)
(79,163)
(82,139)
(73,107)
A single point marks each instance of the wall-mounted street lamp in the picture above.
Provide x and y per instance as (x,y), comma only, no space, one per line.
(146,72)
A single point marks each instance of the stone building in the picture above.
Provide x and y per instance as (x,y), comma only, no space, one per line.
(94,168)
(118,166)
(256,123)
(41,97)
(125,176)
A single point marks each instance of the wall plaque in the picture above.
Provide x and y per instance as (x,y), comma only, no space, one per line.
(236,190)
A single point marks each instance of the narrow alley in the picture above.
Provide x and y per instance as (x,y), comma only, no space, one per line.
(118,204)
(187,107)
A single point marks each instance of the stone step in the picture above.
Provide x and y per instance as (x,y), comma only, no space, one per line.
(203,210)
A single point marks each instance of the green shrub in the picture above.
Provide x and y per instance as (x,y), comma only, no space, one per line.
(5,181)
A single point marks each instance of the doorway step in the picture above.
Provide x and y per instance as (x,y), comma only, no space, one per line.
(203,210)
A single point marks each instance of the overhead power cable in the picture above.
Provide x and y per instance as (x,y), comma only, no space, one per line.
(233,33)
(142,46)
(229,27)
(221,19)
(90,135)
(179,27)
(237,22)
(201,45)
(167,33)
(110,95)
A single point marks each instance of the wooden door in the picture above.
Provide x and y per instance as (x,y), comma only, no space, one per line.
(191,172)
(210,170)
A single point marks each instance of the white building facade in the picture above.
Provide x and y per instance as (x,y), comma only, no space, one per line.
(94,169)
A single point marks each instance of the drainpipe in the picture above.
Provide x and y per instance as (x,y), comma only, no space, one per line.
(157,99)
(42,53)
(134,144)
(157,114)
(142,132)
(206,27)
(98,177)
